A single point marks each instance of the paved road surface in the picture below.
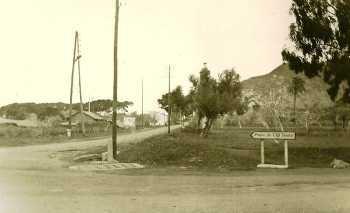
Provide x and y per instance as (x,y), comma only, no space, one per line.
(32,182)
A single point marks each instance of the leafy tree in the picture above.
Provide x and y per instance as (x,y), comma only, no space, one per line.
(230,90)
(272,108)
(163,102)
(206,99)
(321,37)
(343,113)
(46,112)
(243,108)
(215,97)
(296,87)
(124,105)
(191,99)
(312,115)
(15,113)
(106,104)
(178,102)
(20,111)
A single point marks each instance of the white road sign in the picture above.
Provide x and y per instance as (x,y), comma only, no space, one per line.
(274,135)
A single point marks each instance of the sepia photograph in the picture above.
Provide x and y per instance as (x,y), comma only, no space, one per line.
(161,106)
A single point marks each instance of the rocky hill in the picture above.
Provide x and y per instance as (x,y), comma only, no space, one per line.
(279,79)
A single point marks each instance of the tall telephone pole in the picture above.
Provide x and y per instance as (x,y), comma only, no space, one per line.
(169,108)
(76,57)
(81,96)
(142,121)
(71,86)
(112,147)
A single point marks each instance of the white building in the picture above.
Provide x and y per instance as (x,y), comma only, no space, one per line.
(160,117)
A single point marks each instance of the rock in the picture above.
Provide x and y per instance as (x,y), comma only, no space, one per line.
(52,155)
(195,160)
(88,157)
(339,164)
(104,156)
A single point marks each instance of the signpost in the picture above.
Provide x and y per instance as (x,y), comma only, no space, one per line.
(276,136)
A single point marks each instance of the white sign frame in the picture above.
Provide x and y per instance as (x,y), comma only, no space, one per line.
(273,135)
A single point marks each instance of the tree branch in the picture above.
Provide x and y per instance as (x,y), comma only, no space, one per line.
(332,6)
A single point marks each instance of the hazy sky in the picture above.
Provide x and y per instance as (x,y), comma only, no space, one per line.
(37,38)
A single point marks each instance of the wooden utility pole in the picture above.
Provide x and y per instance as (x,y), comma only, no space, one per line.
(71,87)
(169,108)
(142,121)
(112,147)
(80,94)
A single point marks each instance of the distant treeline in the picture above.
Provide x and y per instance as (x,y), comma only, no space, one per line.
(20,111)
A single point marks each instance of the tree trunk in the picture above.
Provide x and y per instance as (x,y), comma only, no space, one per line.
(307,126)
(239,123)
(205,130)
(280,123)
(210,124)
(199,122)
(181,118)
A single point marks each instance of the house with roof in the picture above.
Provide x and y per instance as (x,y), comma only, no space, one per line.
(88,117)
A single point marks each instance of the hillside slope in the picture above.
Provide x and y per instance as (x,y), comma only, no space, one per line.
(316,89)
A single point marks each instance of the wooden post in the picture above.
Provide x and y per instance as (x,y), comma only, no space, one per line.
(71,87)
(112,146)
(181,123)
(142,121)
(262,152)
(80,93)
(169,108)
(286,153)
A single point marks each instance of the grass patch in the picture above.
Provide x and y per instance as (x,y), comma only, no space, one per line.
(229,149)
(233,149)
(185,150)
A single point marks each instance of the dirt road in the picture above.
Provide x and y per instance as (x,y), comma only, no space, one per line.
(43,156)
(33,182)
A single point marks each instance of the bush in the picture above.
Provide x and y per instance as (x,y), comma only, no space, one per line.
(54,131)
(13,131)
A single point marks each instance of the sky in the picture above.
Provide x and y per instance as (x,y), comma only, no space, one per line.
(37,40)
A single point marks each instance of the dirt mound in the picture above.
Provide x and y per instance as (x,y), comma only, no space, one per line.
(181,150)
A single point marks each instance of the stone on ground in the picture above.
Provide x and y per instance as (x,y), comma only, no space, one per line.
(87,157)
(339,164)
(104,156)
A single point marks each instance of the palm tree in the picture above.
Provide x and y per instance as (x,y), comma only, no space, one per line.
(296,87)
